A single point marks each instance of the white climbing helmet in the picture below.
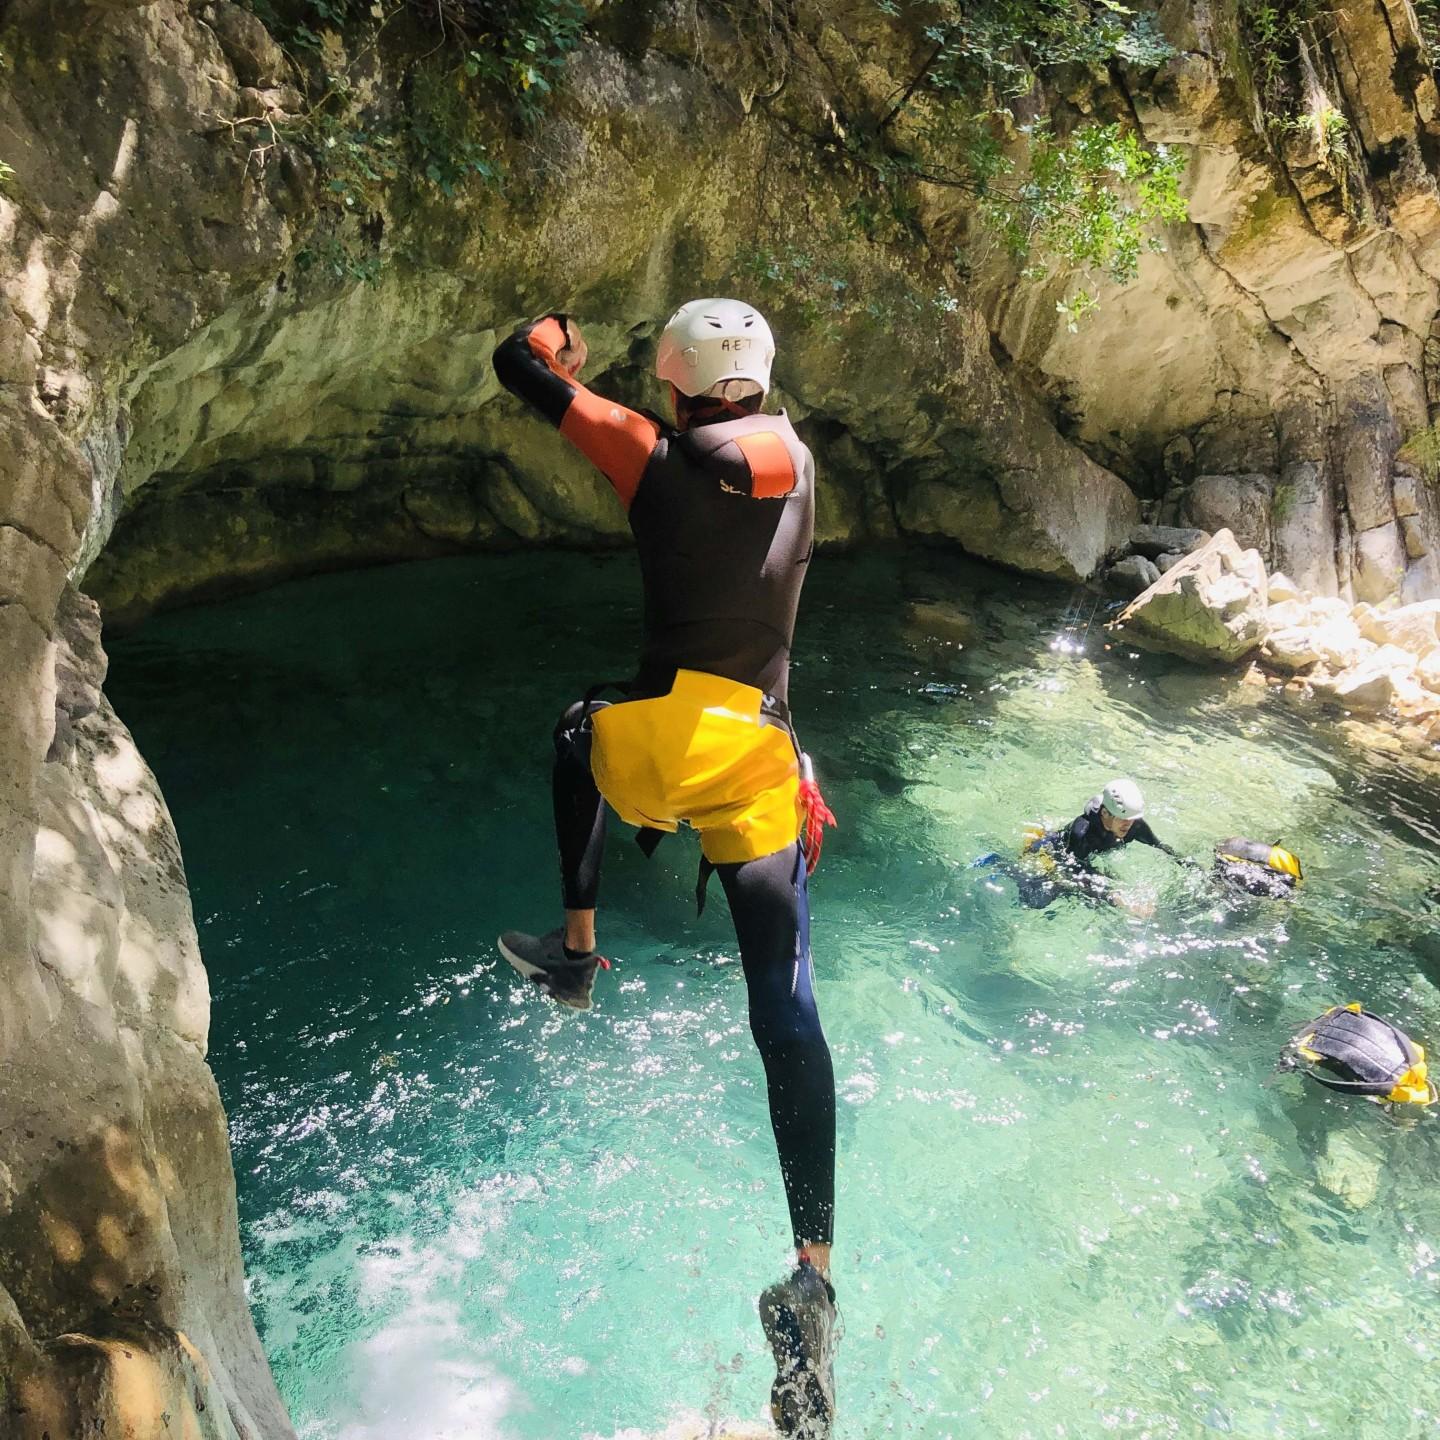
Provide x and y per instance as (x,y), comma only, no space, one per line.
(1122,798)
(716,347)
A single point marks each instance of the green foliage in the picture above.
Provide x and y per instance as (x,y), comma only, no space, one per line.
(814,283)
(809,278)
(1089,201)
(1427,16)
(358,162)
(1280,38)
(1332,138)
(339,258)
(1422,450)
(1274,32)
(524,48)
(465,56)
(994,47)
(441,131)
(519,48)
(1075,309)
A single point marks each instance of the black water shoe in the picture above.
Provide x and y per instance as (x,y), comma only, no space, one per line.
(565,977)
(800,1323)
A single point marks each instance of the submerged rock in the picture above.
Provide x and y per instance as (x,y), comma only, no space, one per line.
(1211,606)
(700,1428)
(939,621)
(1349,1169)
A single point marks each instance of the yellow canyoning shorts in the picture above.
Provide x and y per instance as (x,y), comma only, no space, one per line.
(701,755)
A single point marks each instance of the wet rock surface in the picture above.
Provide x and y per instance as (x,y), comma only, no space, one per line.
(1211,605)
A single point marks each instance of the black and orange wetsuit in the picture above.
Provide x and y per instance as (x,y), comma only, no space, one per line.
(723,518)
(722,573)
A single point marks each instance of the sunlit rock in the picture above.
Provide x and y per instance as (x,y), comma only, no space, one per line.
(1379,562)
(1415,628)
(1302,519)
(1337,639)
(1211,606)
(1280,589)
(1383,680)
(1291,648)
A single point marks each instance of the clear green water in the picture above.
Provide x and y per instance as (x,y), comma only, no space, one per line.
(1072,1200)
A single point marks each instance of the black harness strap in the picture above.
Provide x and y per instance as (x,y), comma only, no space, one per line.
(702,882)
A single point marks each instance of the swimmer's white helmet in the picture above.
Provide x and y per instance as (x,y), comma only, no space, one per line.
(716,347)
(1122,798)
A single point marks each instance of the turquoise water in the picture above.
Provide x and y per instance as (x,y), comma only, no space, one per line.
(1073,1199)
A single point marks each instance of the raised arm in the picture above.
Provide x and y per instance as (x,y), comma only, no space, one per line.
(539,363)
(1142,832)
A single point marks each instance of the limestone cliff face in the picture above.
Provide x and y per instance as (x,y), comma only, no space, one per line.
(1262,373)
(185,404)
(122,1306)
(306,420)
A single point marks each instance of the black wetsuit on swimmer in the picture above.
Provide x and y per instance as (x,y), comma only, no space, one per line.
(1072,848)
(1086,835)
(722,577)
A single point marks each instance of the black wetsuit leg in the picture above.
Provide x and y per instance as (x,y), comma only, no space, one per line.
(770,908)
(1033,888)
(579,808)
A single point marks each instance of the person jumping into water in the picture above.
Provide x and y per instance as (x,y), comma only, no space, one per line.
(722,507)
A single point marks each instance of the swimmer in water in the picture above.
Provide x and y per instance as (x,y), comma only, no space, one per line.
(1113,818)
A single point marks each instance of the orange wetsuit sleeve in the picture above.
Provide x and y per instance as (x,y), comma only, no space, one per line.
(617,440)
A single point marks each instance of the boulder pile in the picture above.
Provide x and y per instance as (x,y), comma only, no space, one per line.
(1209,604)
(1154,550)
(1218,604)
